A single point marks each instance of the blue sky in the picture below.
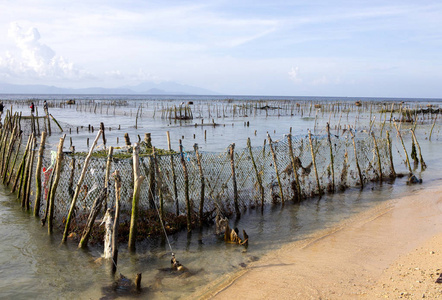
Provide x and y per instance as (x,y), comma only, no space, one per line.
(305,48)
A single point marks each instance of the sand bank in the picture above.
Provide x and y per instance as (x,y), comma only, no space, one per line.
(392,251)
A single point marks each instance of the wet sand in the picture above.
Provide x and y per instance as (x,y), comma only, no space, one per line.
(392,251)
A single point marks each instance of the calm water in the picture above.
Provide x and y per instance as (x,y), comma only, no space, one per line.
(35,265)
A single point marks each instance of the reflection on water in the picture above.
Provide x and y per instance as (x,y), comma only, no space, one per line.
(36,265)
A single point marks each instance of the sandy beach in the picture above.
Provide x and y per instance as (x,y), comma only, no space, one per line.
(392,251)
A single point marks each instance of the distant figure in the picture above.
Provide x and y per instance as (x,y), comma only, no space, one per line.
(45,106)
(32,107)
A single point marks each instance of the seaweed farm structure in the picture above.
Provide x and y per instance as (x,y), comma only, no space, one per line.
(145,188)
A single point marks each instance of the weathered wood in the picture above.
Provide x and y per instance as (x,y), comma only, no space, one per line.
(38,174)
(5,161)
(61,129)
(432,126)
(378,156)
(186,190)
(78,187)
(281,194)
(423,164)
(390,152)
(202,184)
(14,161)
(138,180)
(57,170)
(116,221)
(158,182)
(318,183)
(29,181)
(294,168)
(106,178)
(95,209)
(405,149)
(235,188)
(361,179)
(172,167)
(258,176)
(332,159)
(21,166)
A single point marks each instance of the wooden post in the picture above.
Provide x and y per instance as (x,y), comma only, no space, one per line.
(378,156)
(281,194)
(361,179)
(78,187)
(331,158)
(116,221)
(103,136)
(21,166)
(186,190)
(172,167)
(423,164)
(55,184)
(127,139)
(235,188)
(38,174)
(96,207)
(258,176)
(405,149)
(158,182)
(431,131)
(23,188)
(106,178)
(31,165)
(202,183)
(17,151)
(5,162)
(295,167)
(393,172)
(314,163)
(138,180)
(61,129)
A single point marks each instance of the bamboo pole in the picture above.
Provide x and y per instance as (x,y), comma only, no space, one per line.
(294,167)
(235,188)
(361,179)
(138,180)
(314,163)
(78,187)
(5,161)
(116,221)
(378,156)
(431,131)
(38,174)
(57,170)
(331,158)
(258,177)
(186,190)
(172,167)
(158,182)
(423,164)
(203,185)
(96,207)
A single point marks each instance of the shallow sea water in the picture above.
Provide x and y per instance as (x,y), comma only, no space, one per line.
(35,265)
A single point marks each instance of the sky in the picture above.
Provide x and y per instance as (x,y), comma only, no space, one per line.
(289,48)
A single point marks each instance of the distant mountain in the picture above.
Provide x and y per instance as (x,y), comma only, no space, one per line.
(148,88)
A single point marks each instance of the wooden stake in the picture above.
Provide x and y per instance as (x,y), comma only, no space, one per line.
(393,172)
(235,189)
(314,163)
(38,174)
(405,149)
(361,179)
(78,187)
(186,190)
(172,167)
(57,170)
(295,168)
(116,221)
(203,185)
(96,207)
(281,194)
(423,164)
(258,176)
(138,180)
(331,158)
(378,156)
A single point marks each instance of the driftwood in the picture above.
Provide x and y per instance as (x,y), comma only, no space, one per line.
(231,236)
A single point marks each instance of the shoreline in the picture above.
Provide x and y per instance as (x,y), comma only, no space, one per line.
(389,251)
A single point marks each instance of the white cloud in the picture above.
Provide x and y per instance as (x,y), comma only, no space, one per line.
(294,75)
(35,60)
